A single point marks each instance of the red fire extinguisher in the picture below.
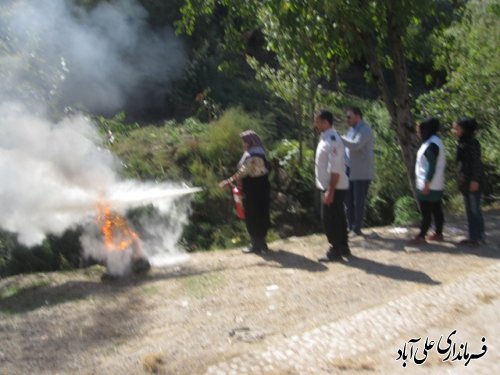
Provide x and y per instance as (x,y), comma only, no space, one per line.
(238,202)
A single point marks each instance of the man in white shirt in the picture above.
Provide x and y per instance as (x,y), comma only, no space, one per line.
(333,184)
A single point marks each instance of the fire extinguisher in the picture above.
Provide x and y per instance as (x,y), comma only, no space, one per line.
(238,202)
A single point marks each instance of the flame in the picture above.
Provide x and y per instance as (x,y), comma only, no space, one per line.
(115,229)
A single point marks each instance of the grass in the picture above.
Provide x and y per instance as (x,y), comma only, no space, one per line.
(201,285)
(16,288)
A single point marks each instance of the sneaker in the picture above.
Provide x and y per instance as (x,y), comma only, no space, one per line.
(417,240)
(435,237)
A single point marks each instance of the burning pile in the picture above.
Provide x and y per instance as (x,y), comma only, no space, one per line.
(119,237)
(117,233)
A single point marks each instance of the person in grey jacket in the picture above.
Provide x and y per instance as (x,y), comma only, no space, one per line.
(360,160)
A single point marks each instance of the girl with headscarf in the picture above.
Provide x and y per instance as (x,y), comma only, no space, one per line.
(429,176)
(470,178)
(252,177)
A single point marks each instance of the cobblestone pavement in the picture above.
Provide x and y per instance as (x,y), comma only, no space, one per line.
(324,349)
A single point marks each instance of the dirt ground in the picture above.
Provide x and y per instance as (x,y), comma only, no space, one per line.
(220,305)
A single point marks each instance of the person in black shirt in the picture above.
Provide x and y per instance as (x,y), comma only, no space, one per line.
(470,178)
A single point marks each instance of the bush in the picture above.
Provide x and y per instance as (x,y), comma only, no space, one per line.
(406,211)
(293,206)
(55,253)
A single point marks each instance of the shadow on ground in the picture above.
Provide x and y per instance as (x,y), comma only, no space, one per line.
(287,259)
(390,271)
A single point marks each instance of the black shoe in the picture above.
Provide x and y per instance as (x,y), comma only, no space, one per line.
(346,252)
(330,257)
(356,233)
(257,245)
(469,242)
(252,249)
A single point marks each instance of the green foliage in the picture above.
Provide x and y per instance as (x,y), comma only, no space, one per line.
(157,153)
(55,253)
(222,141)
(116,125)
(468,52)
(454,204)
(293,205)
(406,211)
(390,181)
(293,176)
(227,236)
(7,244)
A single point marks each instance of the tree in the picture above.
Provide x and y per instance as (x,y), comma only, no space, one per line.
(324,35)
(468,52)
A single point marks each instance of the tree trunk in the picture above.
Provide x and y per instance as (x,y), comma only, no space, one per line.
(404,123)
(298,120)
(397,99)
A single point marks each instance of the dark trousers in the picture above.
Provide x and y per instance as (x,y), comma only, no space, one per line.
(429,210)
(355,204)
(334,221)
(475,219)
(256,202)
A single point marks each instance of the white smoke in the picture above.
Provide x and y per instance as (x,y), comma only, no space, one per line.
(92,59)
(53,173)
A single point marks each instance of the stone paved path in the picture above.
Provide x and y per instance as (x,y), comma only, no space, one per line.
(315,351)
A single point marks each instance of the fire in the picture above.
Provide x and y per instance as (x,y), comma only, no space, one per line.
(117,233)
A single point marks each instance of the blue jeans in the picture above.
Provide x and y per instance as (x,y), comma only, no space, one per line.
(355,204)
(475,219)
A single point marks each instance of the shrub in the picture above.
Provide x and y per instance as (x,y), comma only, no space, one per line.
(406,211)
(293,204)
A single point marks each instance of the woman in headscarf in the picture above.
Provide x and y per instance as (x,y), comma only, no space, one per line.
(429,176)
(470,178)
(252,177)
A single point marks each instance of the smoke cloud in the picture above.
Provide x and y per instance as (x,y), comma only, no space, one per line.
(54,54)
(92,59)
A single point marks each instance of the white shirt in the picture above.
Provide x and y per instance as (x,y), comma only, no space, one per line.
(330,159)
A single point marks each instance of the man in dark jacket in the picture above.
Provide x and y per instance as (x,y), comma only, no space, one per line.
(470,178)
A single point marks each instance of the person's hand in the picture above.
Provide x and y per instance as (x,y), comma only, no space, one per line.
(473,186)
(426,190)
(329,196)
